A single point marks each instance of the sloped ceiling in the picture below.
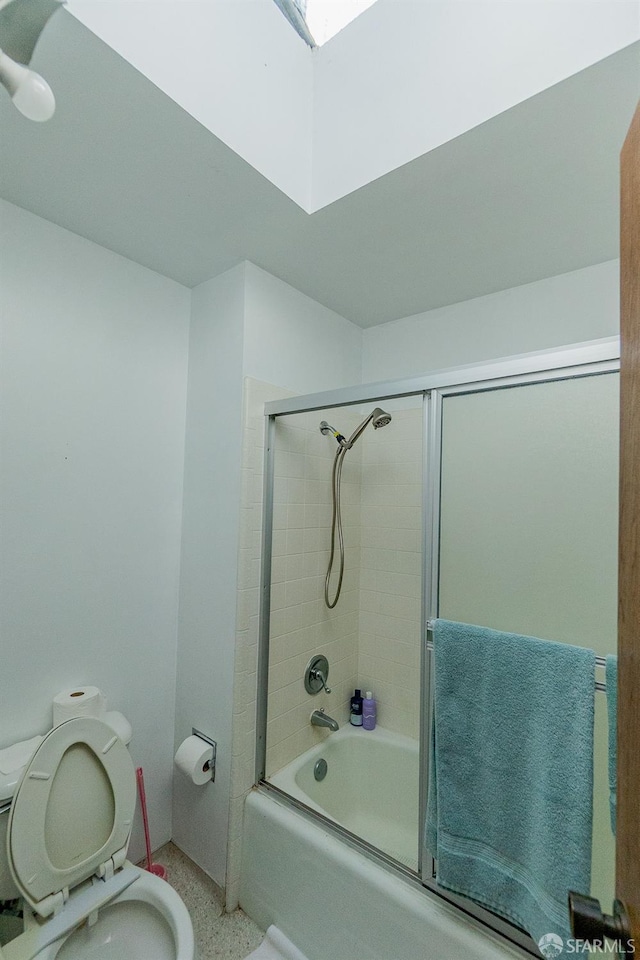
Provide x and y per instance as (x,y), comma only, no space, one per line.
(531,193)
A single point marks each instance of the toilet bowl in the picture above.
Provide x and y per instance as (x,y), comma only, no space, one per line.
(146,921)
(67,836)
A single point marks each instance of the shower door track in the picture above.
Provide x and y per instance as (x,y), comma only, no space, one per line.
(580,360)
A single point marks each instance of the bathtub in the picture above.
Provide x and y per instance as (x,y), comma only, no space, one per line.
(329,898)
(361,790)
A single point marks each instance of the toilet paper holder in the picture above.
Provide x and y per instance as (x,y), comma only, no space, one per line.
(213,744)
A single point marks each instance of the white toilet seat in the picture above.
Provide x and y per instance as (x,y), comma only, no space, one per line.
(67,838)
(72,813)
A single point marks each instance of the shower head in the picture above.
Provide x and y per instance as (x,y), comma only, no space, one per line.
(380,418)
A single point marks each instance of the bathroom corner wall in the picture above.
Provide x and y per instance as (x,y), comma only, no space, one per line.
(295,342)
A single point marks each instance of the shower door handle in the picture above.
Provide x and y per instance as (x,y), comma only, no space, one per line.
(590,924)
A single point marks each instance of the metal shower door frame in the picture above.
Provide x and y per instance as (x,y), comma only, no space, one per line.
(587,359)
(606,364)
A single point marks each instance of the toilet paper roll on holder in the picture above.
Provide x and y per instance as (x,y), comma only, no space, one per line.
(211,764)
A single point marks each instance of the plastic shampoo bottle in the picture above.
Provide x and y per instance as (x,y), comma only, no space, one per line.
(368,711)
(356,709)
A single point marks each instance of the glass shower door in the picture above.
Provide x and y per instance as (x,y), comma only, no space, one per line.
(528,530)
(370,637)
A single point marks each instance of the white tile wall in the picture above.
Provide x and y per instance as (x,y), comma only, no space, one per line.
(390,570)
(301,624)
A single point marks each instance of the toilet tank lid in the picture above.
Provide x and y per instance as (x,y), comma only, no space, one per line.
(13,759)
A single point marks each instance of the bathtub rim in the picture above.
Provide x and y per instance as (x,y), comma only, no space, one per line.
(489,922)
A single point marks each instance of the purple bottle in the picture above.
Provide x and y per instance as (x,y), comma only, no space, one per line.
(368,712)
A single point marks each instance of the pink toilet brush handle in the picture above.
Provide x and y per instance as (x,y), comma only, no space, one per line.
(145,819)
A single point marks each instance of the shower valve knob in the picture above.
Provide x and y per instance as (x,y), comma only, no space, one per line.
(316,675)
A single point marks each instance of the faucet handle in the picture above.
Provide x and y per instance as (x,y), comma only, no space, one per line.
(316,675)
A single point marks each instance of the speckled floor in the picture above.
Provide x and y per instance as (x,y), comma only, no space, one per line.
(219,935)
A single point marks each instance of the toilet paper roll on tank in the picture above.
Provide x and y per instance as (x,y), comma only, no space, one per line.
(89,702)
(78,702)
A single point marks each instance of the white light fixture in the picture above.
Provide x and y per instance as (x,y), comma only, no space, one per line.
(31,94)
(21,24)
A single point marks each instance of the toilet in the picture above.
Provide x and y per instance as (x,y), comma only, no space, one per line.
(67,834)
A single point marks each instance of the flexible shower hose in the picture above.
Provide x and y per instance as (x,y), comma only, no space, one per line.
(379,418)
(336,527)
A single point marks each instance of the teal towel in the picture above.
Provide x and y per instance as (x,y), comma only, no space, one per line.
(509,811)
(611,676)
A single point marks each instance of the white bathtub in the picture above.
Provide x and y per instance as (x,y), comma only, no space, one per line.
(370,788)
(334,903)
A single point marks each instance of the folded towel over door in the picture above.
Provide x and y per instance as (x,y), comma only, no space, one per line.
(509,813)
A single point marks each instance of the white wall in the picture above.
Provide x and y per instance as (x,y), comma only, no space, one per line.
(208,581)
(93,393)
(572,307)
(401,79)
(293,341)
(237,66)
(406,77)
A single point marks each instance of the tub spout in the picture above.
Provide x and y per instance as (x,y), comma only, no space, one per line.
(320,719)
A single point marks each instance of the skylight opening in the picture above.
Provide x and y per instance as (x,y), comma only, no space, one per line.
(325,18)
